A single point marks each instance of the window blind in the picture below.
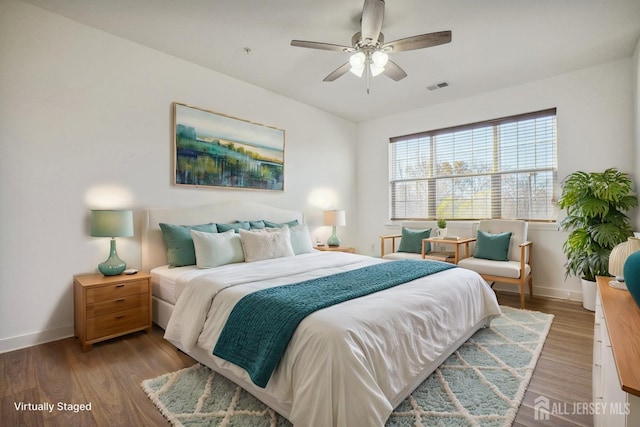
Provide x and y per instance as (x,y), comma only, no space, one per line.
(504,168)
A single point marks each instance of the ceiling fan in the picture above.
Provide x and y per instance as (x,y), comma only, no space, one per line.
(370,52)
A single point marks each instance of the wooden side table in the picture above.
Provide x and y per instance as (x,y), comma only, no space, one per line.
(457,242)
(110,306)
(348,249)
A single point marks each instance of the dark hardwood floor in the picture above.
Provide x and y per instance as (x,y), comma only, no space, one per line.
(108,377)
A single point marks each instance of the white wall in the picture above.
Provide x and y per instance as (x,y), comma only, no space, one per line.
(595,131)
(85,121)
(636,113)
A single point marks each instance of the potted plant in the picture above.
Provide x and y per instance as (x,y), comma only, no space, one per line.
(596,221)
(442,227)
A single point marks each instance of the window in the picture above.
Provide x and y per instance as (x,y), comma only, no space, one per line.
(504,168)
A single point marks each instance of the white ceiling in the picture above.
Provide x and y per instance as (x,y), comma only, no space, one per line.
(495,44)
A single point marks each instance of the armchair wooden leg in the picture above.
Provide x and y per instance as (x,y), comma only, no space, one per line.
(531,287)
(522,295)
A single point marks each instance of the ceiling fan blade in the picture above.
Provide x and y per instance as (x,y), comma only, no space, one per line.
(418,42)
(393,71)
(372,16)
(322,46)
(338,72)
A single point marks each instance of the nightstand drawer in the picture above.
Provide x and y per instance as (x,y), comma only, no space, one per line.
(116,290)
(119,304)
(116,323)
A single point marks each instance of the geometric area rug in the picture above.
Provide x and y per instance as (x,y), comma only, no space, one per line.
(481,384)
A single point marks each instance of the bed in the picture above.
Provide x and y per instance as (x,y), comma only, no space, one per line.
(348,364)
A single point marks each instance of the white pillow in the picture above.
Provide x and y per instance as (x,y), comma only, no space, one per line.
(301,239)
(259,245)
(216,249)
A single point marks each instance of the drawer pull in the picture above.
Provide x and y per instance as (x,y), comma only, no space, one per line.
(120,285)
(119,316)
(120,300)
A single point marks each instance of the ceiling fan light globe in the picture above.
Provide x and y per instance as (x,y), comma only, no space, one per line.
(357,60)
(376,70)
(357,70)
(379,58)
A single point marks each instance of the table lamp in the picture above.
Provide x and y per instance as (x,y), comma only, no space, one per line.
(112,223)
(618,257)
(334,218)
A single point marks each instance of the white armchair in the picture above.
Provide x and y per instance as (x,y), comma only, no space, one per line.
(515,269)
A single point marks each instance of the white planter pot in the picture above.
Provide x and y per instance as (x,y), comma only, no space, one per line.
(442,232)
(589,291)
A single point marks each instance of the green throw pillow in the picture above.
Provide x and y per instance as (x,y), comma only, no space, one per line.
(180,249)
(493,246)
(235,226)
(257,225)
(411,240)
(279,225)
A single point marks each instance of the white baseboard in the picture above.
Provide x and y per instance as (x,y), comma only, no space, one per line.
(23,341)
(541,291)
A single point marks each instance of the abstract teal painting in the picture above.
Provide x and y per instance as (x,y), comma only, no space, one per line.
(215,150)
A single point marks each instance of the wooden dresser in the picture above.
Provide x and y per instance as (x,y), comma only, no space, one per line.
(616,358)
(109,306)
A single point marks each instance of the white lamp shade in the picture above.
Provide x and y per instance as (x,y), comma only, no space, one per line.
(620,253)
(380,58)
(335,218)
(357,61)
(111,223)
(376,70)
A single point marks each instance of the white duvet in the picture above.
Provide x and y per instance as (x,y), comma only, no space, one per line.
(346,365)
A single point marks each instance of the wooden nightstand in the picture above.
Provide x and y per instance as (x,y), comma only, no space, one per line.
(109,306)
(349,249)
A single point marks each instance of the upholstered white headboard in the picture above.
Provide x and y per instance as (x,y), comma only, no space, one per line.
(154,252)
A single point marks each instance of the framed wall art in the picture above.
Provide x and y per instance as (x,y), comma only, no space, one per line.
(214,150)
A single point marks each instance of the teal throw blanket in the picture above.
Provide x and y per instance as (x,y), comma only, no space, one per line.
(261,324)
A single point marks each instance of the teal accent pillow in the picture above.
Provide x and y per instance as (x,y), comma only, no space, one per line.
(631,273)
(411,240)
(279,225)
(180,249)
(256,225)
(493,246)
(235,226)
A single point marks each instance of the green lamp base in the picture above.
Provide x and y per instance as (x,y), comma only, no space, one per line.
(113,265)
(333,240)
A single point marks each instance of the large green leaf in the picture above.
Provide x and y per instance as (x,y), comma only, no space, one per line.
(608,235)
(591,207)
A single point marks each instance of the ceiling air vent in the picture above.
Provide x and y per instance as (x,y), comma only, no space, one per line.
(438,86)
